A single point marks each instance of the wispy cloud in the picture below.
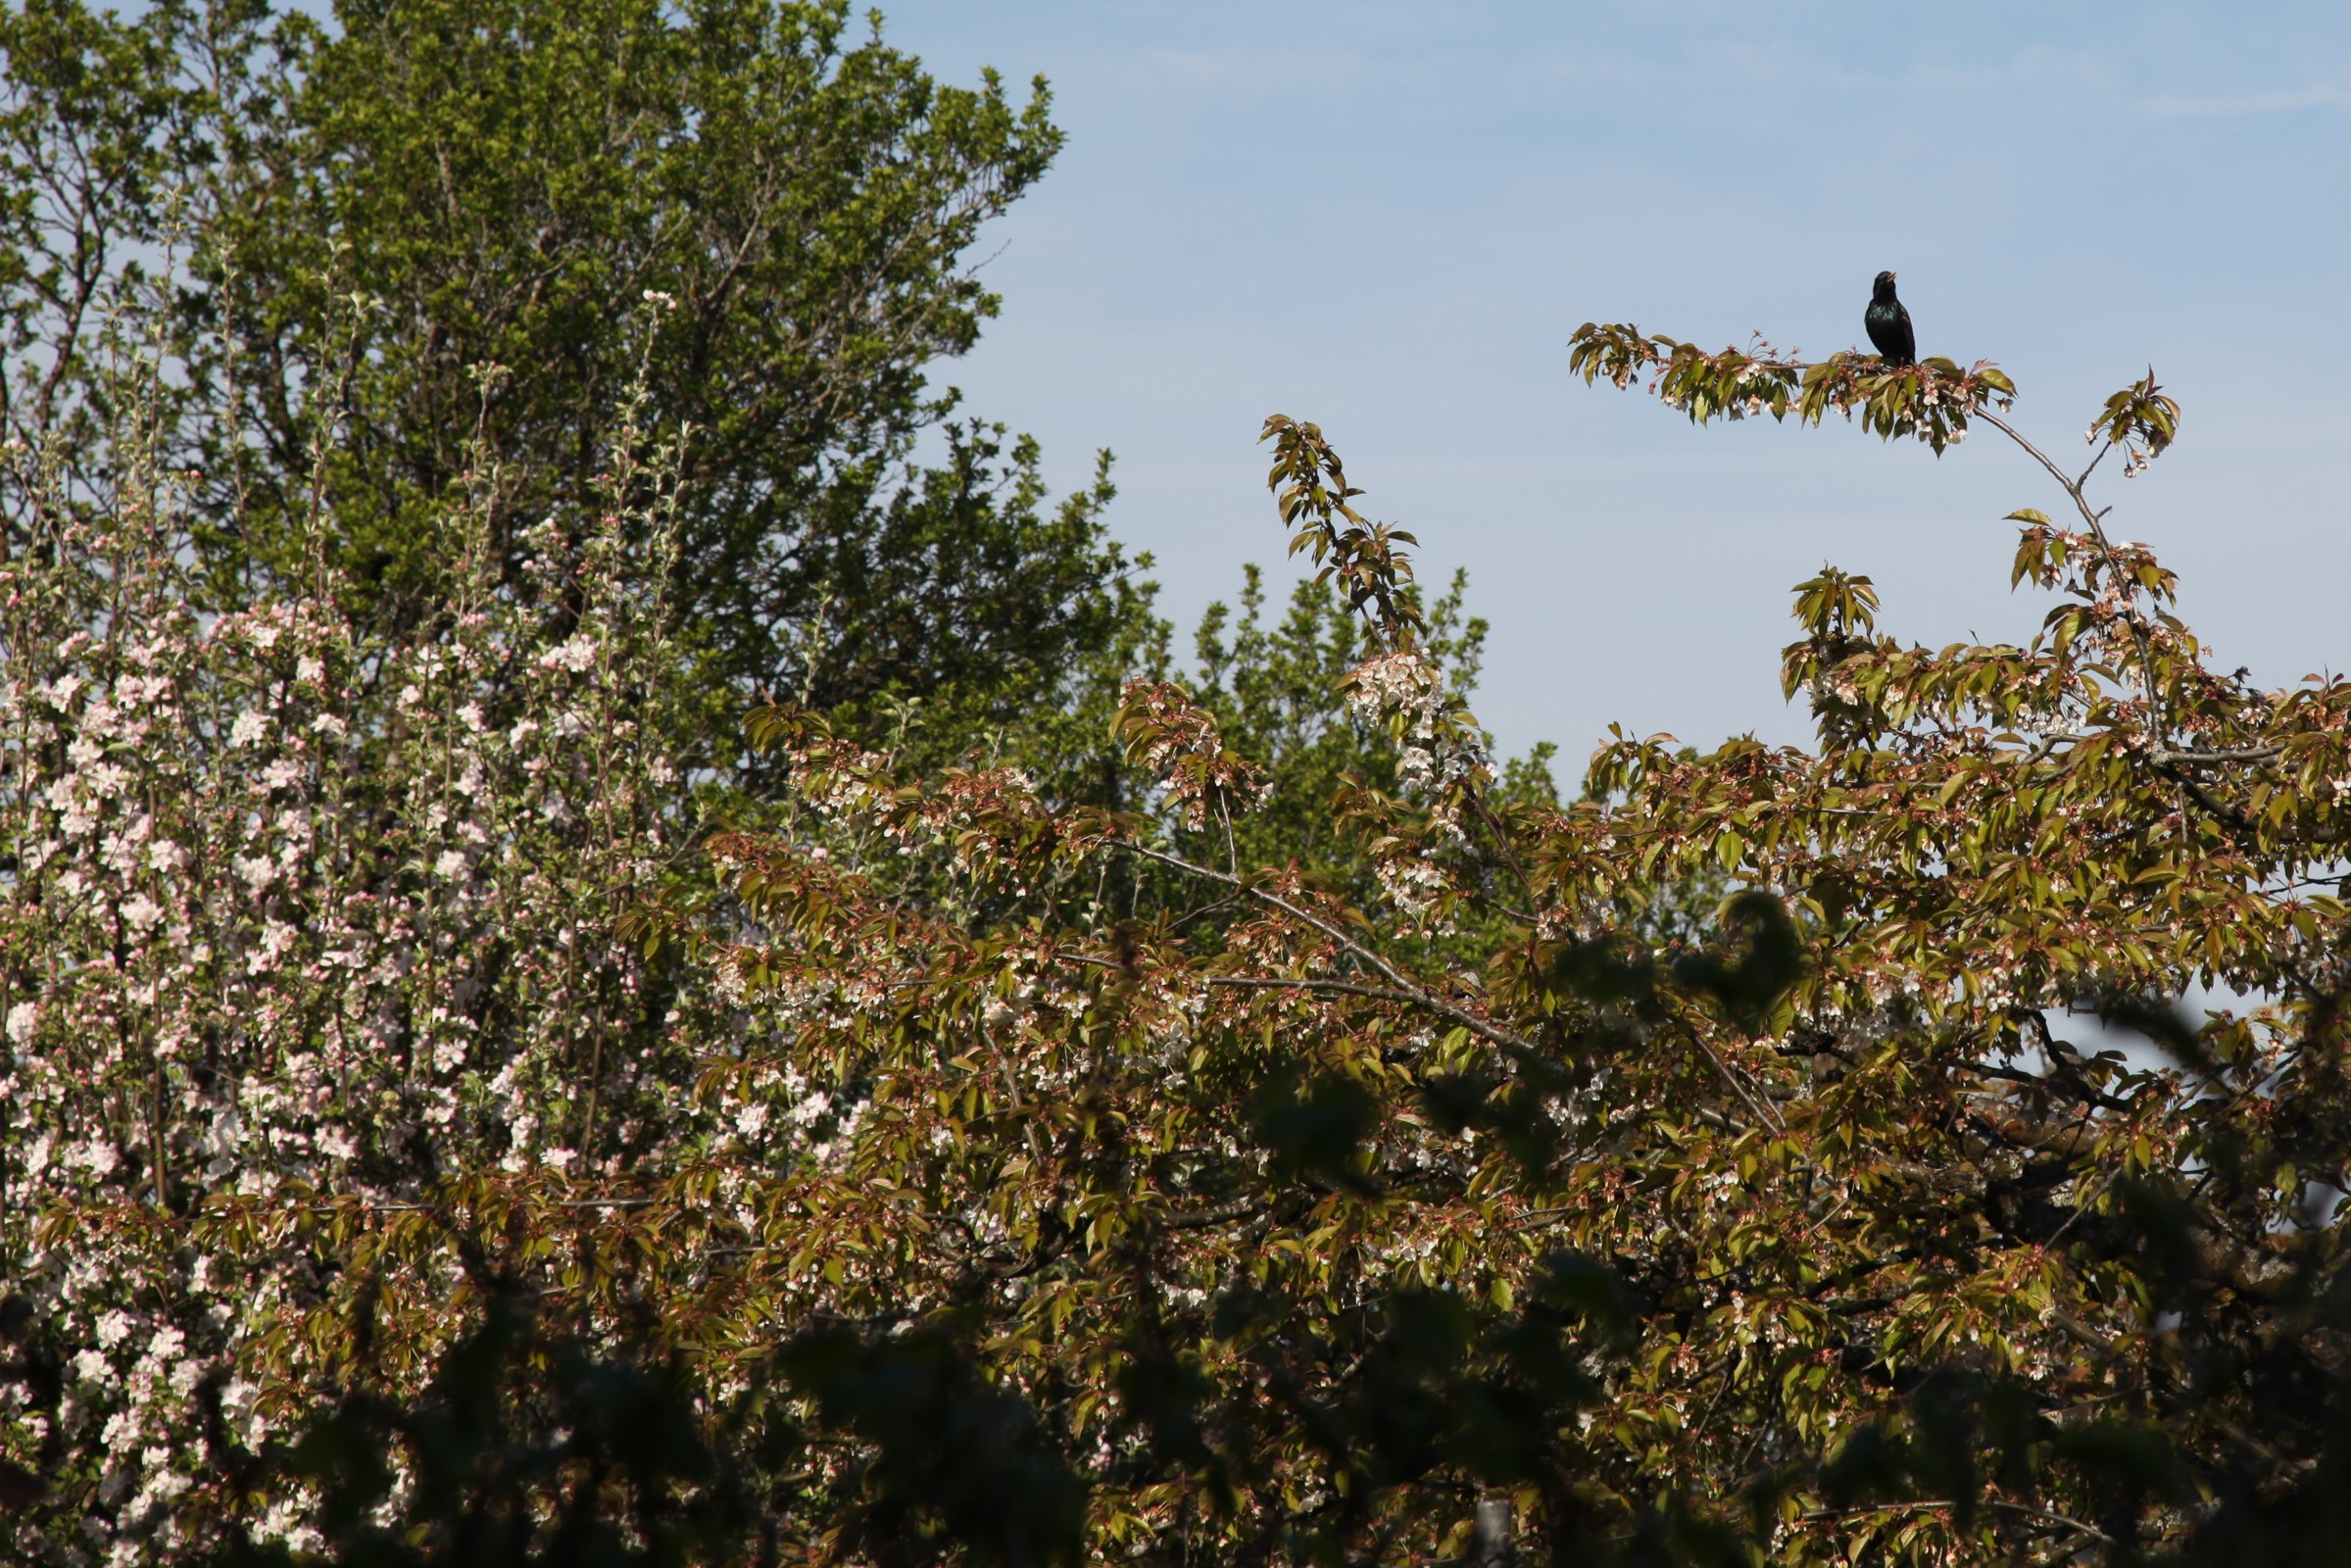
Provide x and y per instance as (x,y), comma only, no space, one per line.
(2278,101)
(1467,77)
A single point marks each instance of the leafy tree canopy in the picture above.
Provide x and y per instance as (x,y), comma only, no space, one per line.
(434,246)
(1830,1236)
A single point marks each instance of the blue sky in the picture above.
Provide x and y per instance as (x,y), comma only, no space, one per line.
(1389,217)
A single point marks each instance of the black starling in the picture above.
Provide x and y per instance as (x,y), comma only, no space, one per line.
(1888,324)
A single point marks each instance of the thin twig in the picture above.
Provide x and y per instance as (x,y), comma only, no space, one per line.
(1342,987)
(426,1209)
(1280,983)
(2001,1504)
(1522,1048)
(1202,1219)
(1738,1086)
(2157,722)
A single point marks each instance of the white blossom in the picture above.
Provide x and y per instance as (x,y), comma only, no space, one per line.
(575,655)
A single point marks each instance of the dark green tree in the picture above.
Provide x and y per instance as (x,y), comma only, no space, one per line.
(434,244)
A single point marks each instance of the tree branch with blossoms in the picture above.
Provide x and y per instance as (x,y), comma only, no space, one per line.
(1931,401)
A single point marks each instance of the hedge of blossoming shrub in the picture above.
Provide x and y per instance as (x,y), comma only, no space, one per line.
(303,920)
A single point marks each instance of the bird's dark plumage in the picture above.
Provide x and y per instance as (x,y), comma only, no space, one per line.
(1888,324)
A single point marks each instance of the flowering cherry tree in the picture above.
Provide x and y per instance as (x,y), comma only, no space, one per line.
(998,1175)
(1304,1222)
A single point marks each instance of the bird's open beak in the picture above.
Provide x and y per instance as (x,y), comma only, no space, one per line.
(1892,277)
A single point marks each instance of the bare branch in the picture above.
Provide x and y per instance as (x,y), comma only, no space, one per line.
(1417,995)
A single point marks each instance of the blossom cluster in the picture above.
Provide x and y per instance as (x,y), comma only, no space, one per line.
(1176,740)
(1442,759)
(301,909)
